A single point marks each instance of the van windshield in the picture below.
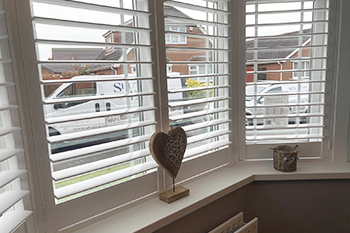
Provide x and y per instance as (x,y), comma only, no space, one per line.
(78,89)
(250,90)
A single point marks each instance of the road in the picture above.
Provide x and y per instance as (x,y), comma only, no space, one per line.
(86,142)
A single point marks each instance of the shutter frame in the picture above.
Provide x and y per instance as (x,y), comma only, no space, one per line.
(255,132)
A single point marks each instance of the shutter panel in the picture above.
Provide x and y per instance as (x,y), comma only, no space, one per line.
(198,86)
(287,43)
(14,193)
(96,77)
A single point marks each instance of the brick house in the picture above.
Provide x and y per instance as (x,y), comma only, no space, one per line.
(282,58)
(115,53)
(61,71)
(54,71)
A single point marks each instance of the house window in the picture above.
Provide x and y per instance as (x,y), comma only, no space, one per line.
(133,69)
(301,65)
(169,68)
(110,40)
(262,76)
(173,38)
(201,70)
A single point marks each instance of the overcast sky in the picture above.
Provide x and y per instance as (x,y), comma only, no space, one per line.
(80,34)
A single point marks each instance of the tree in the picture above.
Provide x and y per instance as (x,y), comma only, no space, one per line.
(191,83)
(69,74)
(84,71)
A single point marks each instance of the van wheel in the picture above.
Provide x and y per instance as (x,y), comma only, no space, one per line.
(304,120)
(53,132)
(248,122)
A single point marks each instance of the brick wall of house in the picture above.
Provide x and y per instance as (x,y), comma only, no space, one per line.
(305,52)
(115,37)
(46,75)
(105,72)
(173,55)
(288,65)
(273,76)
(185,55)
(119,70)
(269,76)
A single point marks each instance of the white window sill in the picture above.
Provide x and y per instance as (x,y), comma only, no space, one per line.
(155,214)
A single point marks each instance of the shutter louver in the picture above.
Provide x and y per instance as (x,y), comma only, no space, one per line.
(14,196)
(286,56)
(197,50)
(97,92)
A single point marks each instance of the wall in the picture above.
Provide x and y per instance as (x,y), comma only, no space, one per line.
(173,55)
(287,65)
(185,55)
(281,206)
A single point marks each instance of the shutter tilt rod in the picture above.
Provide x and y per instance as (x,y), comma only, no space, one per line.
(174,185)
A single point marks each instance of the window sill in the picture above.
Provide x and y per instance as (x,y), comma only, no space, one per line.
(155,214)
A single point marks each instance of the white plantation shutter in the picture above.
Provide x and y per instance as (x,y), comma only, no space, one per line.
(198,87)
(14,189)
(94,86)
(147,65)
(286,75)
(98,124)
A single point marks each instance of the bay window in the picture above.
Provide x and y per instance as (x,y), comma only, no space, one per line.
(290,40)
(205,106)
(94,128)
(239,76)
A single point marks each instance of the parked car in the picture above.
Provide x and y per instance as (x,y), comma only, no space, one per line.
(256,104)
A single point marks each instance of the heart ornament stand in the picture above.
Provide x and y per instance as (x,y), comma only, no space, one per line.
(168,151)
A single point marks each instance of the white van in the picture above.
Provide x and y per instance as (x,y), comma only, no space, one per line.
(262,94)
(93,104)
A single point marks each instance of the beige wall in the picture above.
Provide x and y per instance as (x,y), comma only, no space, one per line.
(281,206)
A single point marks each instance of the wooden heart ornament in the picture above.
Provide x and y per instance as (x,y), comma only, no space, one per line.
(168,149)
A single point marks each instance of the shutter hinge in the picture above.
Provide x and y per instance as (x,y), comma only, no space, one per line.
(43,214)
(329,144)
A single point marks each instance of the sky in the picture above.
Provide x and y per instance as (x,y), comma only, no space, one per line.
(95,35)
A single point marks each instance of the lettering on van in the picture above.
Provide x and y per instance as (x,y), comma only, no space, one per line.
(119,87)
(295,88)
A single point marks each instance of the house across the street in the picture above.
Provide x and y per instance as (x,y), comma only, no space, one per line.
(285,57)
